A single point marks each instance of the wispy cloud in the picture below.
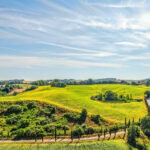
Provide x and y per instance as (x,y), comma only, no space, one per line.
(67,47)
(131,44)
(27,62)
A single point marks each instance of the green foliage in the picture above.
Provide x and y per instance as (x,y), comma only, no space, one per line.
(72,117)
(83,116)
(145,125)
(32,132)
(13,120)
(96,118)
(31,105)
(16,109)
(89,130)
(77,131)
(133,133)
(31,88)
(23,123)
(147,93)
(58,84)
(40,83)
(110,96)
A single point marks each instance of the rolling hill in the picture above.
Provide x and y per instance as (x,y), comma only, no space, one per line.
(77,97)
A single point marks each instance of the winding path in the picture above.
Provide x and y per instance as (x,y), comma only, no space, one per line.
(63,140)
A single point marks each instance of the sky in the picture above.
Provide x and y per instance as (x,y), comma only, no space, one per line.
(80,39)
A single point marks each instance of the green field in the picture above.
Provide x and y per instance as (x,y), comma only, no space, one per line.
(77,97)
(109,145)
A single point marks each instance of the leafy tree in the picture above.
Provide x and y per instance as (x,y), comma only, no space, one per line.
(65,128)
(145,125)
(83,116)
(77,131)
(110,96)
(96,118)
(23,123)
(89,130)
(133,133)
(31,105)
(12,120)
(16,109)
(147,93)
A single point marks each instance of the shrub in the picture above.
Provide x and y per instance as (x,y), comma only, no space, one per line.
(31,105)
(89,130)
(78,131)
(31,88)
(58,84)
(96,118)
(34,132)
(13,120)
(83,116)
(20,133)
(110,96)
(43,121)
(65,128)
(145,125)
(16,109)
(24,123)
(133,133)
(49,128)
(72,117)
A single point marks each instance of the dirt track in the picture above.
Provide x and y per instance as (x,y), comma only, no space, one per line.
(63,140)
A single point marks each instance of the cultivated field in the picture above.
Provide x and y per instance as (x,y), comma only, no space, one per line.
(111,145)
(77,97)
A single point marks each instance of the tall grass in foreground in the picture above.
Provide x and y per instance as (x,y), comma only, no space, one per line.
(105,145)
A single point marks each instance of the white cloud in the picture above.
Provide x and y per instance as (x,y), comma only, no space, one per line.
(68,47)
(90,22)
(27,62)
(131,44)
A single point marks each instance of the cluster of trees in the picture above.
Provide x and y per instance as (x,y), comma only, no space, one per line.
(5,89)
(112,96)
(147,94)
(11,82)
(40,83)
(58,83)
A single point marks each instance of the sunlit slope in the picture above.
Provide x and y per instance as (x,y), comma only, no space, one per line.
(76,97)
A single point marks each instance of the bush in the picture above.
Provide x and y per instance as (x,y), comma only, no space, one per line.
(58,84)
(31,88)
(133,133)
(24,123)
(78,132)
(43,121)
(16,109)
(31,105)
(72,117)
(34,132)
(49,128)
(83,116)
(110,96)
(89,130)
(96,118)
(145,125)
(13,120)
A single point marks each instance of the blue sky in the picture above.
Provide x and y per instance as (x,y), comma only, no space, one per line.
(47,39)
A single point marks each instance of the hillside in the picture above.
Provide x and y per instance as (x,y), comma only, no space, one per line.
(77,97)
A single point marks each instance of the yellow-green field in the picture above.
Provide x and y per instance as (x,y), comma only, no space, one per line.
(101,145)
(77,97)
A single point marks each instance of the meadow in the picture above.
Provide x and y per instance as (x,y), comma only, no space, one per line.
(103,145)
(77,97)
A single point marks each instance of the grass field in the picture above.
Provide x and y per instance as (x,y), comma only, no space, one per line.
(109,145)
(77,97)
